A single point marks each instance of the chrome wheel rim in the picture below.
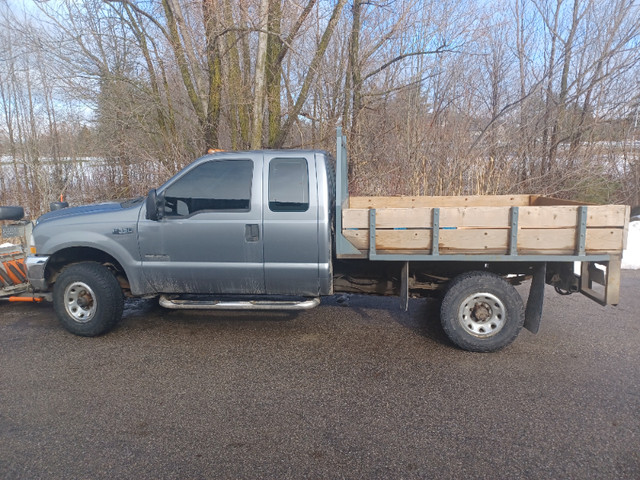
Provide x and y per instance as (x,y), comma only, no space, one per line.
(79,302)
(482,314)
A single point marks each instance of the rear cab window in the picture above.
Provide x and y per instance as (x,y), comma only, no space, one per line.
(288,185)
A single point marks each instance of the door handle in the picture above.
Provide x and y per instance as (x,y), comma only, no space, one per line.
(252,232)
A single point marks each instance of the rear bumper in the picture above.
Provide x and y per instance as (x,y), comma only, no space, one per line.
(35,271)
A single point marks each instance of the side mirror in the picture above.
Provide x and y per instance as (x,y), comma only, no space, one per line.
(153,210)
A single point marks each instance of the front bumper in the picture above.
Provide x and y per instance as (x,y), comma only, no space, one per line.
(36,266)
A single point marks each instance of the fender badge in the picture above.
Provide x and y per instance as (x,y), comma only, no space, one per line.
(122,230)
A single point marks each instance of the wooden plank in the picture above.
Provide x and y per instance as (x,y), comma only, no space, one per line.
(358,238)
(487,217)
(567,216)
(450,217)
(492,241)
(604,240)
(356,218)
(451,241)
(388,218)
(459,201)
(391,239)
(440,201)
(539,200)
(476,240)
(475,217)
(563,240)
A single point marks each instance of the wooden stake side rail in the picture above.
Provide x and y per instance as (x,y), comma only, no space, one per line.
(496,228)
(458,201)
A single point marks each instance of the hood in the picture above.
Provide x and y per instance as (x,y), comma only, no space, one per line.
(94,209)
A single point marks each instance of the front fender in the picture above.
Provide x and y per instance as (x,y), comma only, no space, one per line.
(123,248)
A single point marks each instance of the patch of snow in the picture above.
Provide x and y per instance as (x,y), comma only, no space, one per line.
(7,245)
(631,256)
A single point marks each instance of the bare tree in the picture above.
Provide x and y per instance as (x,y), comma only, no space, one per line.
(259,93)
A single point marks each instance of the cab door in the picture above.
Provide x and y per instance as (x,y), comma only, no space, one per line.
(210,238)
(290,206)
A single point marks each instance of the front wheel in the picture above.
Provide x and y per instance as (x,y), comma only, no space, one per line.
(88,299)
(481,312)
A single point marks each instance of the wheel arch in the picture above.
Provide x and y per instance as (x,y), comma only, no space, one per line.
(65,257)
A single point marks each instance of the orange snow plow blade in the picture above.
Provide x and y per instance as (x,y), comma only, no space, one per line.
(12,268)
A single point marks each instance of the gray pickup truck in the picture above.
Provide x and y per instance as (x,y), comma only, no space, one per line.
(277,230)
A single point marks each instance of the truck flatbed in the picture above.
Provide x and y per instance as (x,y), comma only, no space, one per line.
(485,228)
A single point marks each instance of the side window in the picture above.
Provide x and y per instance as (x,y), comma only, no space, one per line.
(218,185)
(288,185)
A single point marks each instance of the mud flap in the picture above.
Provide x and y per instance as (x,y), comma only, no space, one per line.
(533,312)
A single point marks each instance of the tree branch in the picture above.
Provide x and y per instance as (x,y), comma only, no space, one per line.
(442,49)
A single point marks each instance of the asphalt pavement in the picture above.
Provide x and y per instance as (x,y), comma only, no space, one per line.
(357,391)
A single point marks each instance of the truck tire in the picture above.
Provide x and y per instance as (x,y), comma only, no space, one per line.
(481,312)
(11,213)
(88,299)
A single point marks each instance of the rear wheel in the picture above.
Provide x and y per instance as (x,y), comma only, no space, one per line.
(481,312)
(88,299)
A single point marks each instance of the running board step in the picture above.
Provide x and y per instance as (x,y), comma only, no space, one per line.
(181,304)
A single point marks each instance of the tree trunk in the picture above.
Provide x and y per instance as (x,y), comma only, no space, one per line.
(564,86)
(215,75)
(274,69)
(181,60)
(355,67)
(259,85)
(310,76)
(236,85)
(545,166)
